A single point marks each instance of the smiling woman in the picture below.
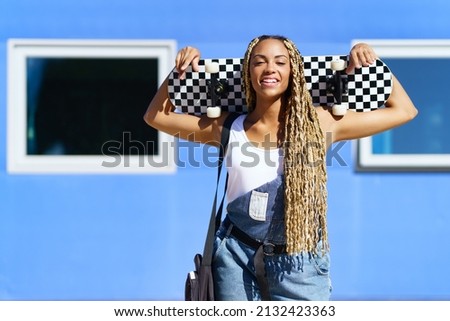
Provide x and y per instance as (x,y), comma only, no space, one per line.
(276,215)
(270,68)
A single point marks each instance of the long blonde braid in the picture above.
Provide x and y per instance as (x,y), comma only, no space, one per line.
(304,157)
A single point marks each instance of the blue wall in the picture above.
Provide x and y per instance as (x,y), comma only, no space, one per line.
(65,237)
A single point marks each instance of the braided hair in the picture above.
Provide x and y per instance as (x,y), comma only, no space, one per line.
(305,178)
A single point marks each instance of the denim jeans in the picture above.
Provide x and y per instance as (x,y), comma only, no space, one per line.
(291,277)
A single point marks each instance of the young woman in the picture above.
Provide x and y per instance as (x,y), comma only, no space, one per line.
(276,213)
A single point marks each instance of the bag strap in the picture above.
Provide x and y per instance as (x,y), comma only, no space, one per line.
(216,216)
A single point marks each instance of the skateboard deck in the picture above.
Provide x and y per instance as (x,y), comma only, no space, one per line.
(365,89)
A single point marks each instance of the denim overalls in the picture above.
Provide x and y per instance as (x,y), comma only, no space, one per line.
(260,215)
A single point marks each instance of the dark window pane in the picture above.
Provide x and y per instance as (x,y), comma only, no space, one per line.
(77,106)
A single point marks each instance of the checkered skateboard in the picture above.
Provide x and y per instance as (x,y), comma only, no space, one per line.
(365,89)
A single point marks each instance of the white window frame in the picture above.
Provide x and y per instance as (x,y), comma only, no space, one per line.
(20,49)
(366,160)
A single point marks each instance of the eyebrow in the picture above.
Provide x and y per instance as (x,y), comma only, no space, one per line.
(265,57)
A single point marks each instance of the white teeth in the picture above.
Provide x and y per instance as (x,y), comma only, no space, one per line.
(270,80)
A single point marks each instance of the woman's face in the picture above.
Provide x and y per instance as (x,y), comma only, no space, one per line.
(270,69)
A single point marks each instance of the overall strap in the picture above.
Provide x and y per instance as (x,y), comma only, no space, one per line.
(215,219)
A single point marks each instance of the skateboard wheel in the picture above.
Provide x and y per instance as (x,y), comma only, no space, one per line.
(338,65)
(212,67)
(339,110)
(213,112)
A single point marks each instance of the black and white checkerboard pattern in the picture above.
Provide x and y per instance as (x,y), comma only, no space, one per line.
(190,95)
(368,87)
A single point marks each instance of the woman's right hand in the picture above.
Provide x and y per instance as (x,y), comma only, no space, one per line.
(185,57)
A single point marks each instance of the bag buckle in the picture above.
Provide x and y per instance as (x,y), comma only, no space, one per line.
(269,249)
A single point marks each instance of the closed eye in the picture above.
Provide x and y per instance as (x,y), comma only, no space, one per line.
(258,62)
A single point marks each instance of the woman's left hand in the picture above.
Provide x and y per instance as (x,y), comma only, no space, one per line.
(361,55)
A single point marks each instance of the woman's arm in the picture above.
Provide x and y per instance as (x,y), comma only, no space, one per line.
(160,113)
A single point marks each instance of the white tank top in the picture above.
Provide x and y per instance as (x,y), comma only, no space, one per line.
(248,166)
